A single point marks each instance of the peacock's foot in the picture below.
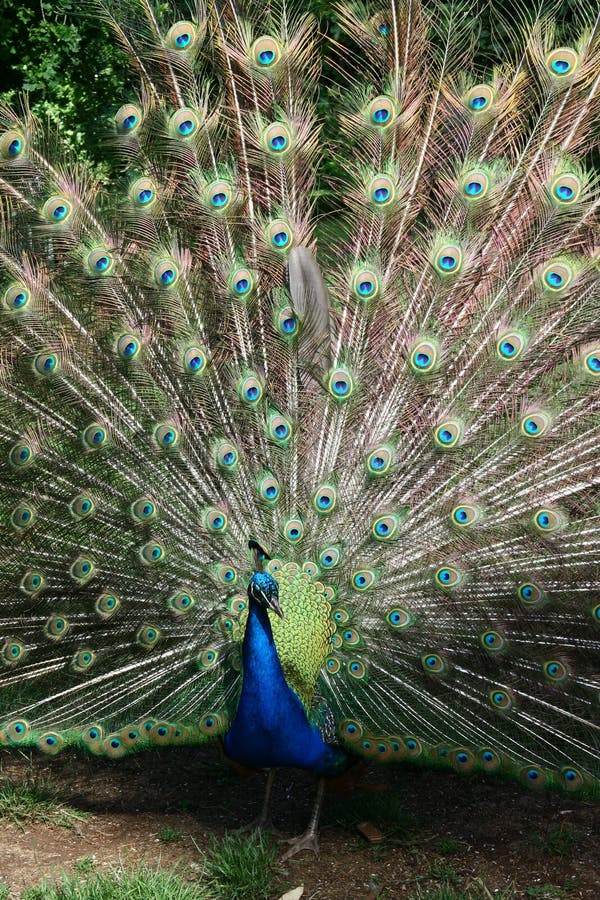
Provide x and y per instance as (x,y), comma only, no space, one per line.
(307,841)
(260,823)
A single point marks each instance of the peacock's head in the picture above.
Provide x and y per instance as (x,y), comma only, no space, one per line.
(262,587)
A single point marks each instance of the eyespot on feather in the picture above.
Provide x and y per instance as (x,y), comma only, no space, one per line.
(479,99)
(381,192)
(107,605)
(184,124)
(195,360)
(424,356)
(562,62)
(265,53)
(128,119)
(143,193)
(381,112)
(510,346)
(280,235)
(57,210)
(13,145)
(128,347)
(16,298)
(181,36)
(219,196)
(277,139)
(100,262)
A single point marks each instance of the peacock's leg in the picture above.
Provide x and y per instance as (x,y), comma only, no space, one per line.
(263,821)
(310,839)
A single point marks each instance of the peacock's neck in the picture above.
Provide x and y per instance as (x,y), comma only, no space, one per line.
(262,665)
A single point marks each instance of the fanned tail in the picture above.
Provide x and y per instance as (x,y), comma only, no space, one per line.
(400,403)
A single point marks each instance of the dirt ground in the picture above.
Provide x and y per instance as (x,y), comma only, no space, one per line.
(440,827)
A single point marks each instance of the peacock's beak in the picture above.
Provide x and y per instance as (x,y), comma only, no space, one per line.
(273,602)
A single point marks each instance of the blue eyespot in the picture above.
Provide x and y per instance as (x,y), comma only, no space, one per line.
(383,29)
(19,300)
(543,520)
(324,502)
(593,363)
(129,122)
(564,192)
(252,392)
(218,522)
(182,40)
(366,288)
(381,116)
(59,212)
(289,325)
(272,491)
(229,575)
(281,430)
(340,387)
(146,196)
(266,57)
(560,66)
(381,195)
(448,263)
(444,576)
(377,462)
(102,263)
(294,532)
(278,143)
(554,279)
(461,515)
(242,286)
(507,349)
(422,360)
(168,437)
(531,426)
(195,363)
(15,147)
(218,200)
(478,103)
(281,239)
(474,188)
(186,127)
(445,436)
(382,528)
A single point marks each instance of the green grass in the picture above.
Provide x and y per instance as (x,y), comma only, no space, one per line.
(169,835)
(545,892)
(143,882)
(448,846)
(85,865)
(560,841)
(34,799)
(4,892)
(475,890)
(241,868)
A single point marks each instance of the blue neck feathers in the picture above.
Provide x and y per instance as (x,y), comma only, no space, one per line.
(271,727)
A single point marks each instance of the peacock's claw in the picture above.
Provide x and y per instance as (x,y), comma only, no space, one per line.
(259,824)
(307,841)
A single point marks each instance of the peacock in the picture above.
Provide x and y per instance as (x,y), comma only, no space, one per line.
(299,409)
